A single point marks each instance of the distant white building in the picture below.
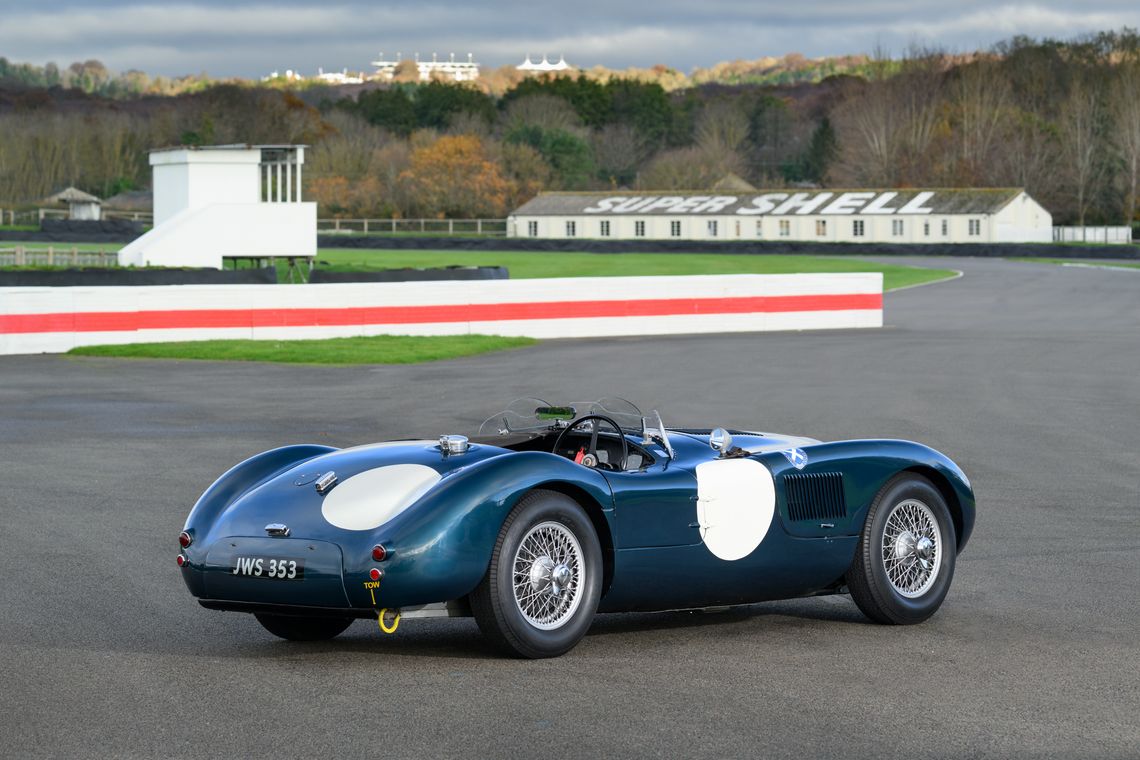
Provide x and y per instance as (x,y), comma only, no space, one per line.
(339,77)
(544,65)
(458,71)
(226,201)
(1005,215)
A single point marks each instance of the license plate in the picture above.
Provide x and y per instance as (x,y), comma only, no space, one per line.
(274,568)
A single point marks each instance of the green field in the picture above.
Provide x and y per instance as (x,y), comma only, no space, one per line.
(380,349)
(530,265)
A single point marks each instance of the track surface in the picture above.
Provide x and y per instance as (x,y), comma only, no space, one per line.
(1027,374)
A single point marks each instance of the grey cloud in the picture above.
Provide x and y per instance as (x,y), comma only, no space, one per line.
(252,38)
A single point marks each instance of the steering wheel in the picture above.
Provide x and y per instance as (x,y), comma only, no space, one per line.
(593,448)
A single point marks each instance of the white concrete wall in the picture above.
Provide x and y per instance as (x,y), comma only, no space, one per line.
(200,237)
(36,320)
(1023,220)
(185,179)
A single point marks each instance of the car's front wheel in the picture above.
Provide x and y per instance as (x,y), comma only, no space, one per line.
(905,559)
(542,587)
(303,628)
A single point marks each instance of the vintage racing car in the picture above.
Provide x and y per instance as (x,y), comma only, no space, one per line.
(555,512)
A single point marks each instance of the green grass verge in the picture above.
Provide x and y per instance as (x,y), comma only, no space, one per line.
(530,265)
(379,349)
(1082,262)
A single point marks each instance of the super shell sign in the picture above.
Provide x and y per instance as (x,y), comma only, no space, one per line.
(774,204)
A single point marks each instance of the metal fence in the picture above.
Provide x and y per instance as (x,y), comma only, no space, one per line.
(34,217)
(1112,235)
(52,256)
(487,227)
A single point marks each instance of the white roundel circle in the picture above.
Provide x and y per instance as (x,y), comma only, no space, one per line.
(736,500)
(374,497)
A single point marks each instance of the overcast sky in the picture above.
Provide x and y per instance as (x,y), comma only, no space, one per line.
(248,39)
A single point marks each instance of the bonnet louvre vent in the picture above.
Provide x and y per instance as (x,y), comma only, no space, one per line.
(815,496)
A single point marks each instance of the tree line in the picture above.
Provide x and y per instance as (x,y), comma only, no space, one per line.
(1059,118)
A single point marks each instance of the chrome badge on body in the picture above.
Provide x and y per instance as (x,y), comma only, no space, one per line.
(798,457)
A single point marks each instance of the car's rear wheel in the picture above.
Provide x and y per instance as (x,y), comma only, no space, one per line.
(303,628)
(905,559)
(542,587)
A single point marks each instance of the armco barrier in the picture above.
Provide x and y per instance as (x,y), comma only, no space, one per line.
(47,320)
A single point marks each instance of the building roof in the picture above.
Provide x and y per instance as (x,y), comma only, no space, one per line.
(131,200)
(940,201)
(72,195)
(230,146)
(733,183)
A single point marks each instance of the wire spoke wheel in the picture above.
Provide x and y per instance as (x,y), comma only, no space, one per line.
(544,579)
(912,548)
(548,575)
(904,563)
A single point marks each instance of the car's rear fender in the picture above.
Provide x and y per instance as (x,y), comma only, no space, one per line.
(245,477)
(440,549)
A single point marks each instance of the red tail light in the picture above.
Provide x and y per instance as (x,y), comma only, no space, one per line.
(185,539)
(375,573)
(181,560)
(379,553)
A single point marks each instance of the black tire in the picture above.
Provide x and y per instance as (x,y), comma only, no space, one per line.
(899,602)
(303,628)
(494,604)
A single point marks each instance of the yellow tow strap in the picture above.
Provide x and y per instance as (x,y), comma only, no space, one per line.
(395,621)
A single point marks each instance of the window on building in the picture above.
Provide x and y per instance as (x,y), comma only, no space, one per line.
(675,228)
(975,226)
(639,229)
(604,228)
(738,228)
(926,227)
(532,229)
(571,229)
(858,228)
(897,227)
(820,227)
(759,228)
(712,227)
(945,227)
(785,228)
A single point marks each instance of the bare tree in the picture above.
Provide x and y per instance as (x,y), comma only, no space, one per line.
(687,169)
(868,137)
(980,102)
(1125,135)
(1028,157)
(722,127)
(547,112)
(917,96)
(1081,125)
(617,152)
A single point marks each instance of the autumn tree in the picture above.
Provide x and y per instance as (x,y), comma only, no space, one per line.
(407,71)
(455,177)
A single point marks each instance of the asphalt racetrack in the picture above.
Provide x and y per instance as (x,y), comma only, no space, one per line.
(1027,374)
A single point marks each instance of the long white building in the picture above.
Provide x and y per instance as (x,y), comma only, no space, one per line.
(1004,215)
